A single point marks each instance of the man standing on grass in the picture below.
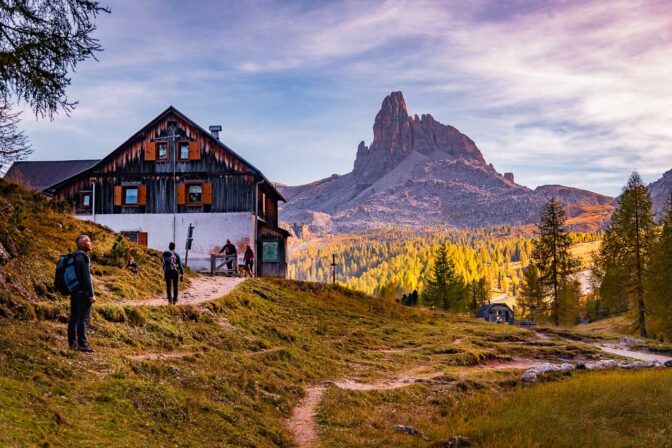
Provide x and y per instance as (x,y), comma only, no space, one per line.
(81,298)
(172,269)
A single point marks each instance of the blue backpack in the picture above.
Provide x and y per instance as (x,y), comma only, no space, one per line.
(66,280)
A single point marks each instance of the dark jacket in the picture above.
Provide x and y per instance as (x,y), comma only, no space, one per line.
(249,255)
(229,249)
(83,271)
(166,261)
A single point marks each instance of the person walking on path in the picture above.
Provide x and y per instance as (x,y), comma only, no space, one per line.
(249,259)
(81,298)
(231,254)
(172,268)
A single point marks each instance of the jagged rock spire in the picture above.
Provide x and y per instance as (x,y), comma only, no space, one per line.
(396,135)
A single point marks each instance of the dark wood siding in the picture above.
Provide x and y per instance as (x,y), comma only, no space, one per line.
(232,181)
(271,269)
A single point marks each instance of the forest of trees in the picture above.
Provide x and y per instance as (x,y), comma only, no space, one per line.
(398,261)
(633,269)
(453,269)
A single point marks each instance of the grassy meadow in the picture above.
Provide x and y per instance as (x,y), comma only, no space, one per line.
(231,371)
(592,409)
(229,374)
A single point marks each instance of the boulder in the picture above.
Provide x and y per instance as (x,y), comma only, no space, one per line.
(411,431)
(4,255)
(606,364)
(668,363)
(453,442)
(565,366)
(629,341)
(533,369)
(529,377)
(655,363)
(548,367)
(582,366)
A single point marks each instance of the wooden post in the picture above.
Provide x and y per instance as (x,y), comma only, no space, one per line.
(333,269)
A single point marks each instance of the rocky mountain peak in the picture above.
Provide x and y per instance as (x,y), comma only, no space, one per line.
(420,172)
(396,135)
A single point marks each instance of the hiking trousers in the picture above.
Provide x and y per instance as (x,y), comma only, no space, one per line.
(171,280)
(80,310)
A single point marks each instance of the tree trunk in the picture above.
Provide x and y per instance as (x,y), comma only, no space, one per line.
(638,273)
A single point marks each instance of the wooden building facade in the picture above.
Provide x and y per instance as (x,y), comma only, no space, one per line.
(173,173)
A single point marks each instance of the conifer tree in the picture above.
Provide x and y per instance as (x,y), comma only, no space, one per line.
(532,294)
(551,255)
(661,277)
(479,293)
(445,289)
(626,250)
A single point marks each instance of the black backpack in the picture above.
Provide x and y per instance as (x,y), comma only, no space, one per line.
(170,262)
(65,280)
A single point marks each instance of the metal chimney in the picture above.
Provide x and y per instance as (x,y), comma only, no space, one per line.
(214,130)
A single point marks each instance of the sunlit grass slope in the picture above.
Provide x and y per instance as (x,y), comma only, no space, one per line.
(227,374)
(36,232)
(590,409)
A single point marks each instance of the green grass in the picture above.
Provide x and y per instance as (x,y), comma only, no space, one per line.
(235,368)
(587,409)
(230,372)
(43,234)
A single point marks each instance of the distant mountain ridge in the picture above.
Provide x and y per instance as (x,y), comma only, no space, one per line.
(660,192)
(420,172)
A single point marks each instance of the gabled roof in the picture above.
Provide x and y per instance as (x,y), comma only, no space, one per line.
(160,117)
(483,310)
(40,175)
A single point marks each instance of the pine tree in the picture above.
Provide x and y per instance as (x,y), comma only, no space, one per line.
(532,294)
(551,255)
(661,277)
(479,293)
(626,250)
(445,289)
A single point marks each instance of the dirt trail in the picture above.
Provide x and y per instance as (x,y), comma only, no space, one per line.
(302,423)
(201,289)
(622,351)
(617,349)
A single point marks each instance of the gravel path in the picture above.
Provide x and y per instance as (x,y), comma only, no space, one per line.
(201,289)
(642,356)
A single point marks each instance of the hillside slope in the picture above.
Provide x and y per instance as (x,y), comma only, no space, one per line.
(34,232)
(231,373)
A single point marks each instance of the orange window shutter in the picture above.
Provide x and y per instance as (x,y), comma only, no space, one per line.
(181,194)
(117,195)
(150,151)
(207,193)
(142,195)
(194,151)
(142,238)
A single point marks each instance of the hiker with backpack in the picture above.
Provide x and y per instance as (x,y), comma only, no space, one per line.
(73,277)
(172,269)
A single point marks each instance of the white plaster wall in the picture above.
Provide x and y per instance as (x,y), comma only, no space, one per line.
(211,230)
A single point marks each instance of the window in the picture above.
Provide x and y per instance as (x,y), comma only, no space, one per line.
(162,151)
(183,153)
(270,251)
(195,194)
(136,237)
(131,196)
(85,200)
(130,236)
(263,205)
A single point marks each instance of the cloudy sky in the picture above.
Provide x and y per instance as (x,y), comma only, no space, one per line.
(570,92)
